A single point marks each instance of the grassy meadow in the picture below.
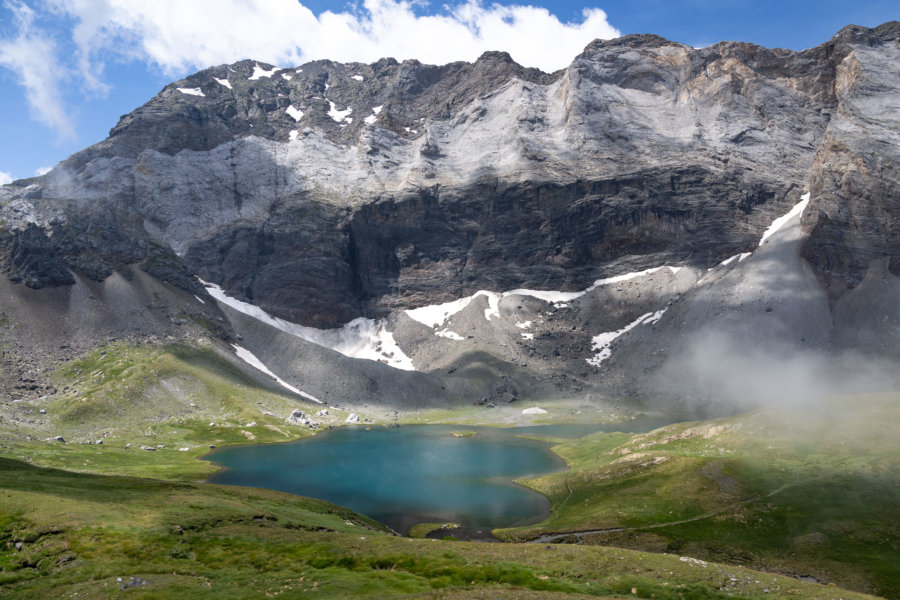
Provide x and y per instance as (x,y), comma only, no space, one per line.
(812,494)
(697,507)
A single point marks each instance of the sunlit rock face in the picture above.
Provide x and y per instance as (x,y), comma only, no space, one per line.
(328,193)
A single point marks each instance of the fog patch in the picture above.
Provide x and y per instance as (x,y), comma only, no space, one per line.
(718,374)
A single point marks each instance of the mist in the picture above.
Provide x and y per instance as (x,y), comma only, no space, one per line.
(718,374)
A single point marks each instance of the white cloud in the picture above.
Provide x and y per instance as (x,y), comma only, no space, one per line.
(178,36)
(5,178)
(31,55)
(42,170)
(73,39)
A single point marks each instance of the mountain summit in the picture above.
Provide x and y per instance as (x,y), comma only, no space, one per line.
(486,230)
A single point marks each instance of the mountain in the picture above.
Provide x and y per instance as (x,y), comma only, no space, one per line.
(655,220)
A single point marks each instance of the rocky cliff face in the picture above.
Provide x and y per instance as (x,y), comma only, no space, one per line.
(332,191)
(856,171)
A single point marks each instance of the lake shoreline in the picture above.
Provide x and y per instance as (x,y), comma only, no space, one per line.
(473,527)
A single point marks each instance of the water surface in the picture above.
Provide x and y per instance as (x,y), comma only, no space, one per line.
(401,476)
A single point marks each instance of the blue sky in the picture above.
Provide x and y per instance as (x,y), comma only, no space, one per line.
(70,68)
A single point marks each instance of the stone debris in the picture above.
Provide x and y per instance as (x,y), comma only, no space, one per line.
(298,417)
(132,583)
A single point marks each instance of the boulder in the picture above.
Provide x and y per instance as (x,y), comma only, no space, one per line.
(298,417)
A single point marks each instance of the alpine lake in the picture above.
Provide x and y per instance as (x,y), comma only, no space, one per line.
(405,475)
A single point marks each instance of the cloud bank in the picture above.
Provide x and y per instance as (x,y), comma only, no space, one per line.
(5,178)
(31,55)
(177,37)
(724,374)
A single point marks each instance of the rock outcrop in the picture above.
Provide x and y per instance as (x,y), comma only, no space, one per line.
(328,192)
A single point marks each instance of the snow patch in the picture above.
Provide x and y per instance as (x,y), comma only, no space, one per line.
(360,338)
(731,259)
(259,73)
(286,76)
(250,358)
(370,120)
(555,297)
(601,343)
(547,295)
(534,410)
(199,299)
(296,113)
(311,397)
(449,334)
(339,115)
(292,135)
(527,336)
(524,325)
(357,77)
(493,309)
(436,315)
(191,91)
(782,220)
(224,82)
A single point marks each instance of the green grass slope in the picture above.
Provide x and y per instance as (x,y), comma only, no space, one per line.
(813,493)
(88,520)
(175,396)
(79,535)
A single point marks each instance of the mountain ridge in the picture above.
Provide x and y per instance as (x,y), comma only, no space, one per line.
(327,193)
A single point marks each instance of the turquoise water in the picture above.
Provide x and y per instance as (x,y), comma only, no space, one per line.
(401,476)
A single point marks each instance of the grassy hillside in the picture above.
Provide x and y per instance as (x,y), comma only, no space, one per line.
(814,492)
(65,534)
(175,396)
(82,519)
